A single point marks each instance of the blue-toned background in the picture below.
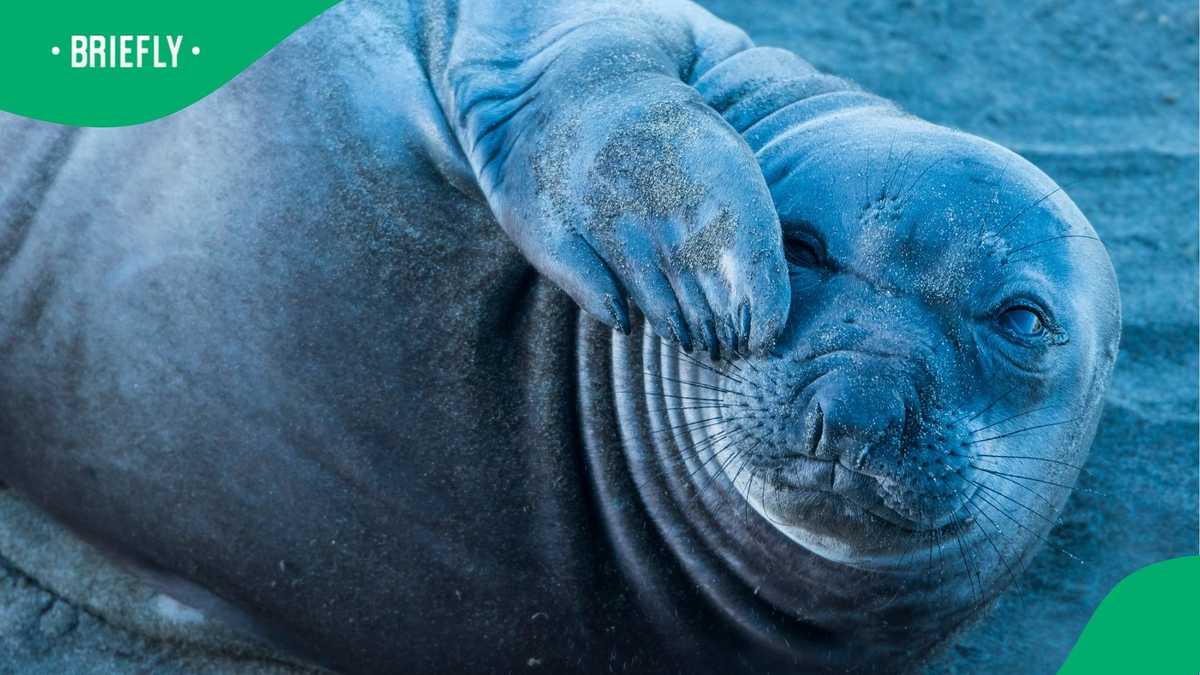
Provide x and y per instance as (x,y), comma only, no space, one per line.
(1102,94)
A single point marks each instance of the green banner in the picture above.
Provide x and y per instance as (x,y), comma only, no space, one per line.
(126,62)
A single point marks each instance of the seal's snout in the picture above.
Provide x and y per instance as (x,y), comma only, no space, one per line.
(849,419)
(853,428)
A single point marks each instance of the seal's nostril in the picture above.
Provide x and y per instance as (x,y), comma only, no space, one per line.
(852,420)
(816,427)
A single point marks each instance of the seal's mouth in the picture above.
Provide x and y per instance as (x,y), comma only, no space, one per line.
(835,511)
(781,433)
(800,485)
(763,461)
(760,498)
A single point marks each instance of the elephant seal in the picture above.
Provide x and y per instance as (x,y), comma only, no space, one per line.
(302,353)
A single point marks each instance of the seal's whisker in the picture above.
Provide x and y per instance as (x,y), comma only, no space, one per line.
(986,218)
(1012,499)
(762,499)
(1040,459)
(981,486)
(679,459)
(1018,523)
(975,510)
(712,406)
(901,164)
(709,483)
(712,477)
(929,565)
(888,162)
(1026,258)
(749,455)
(725,464)
(675,396)
(750,484)
(768,509)
(995,505)
(866,186)
(1038,480)
(746,456)
(917,180)
(698,425)
(739,371)
(738,453)
(689,423)
(1020,485)
(908,557)
(733,498)
(963,554)
(1021,431)
(1048,240)
(746,361)
(747,507)
(684,355)
(941,544)
(731,364)
(695,384)
(709,406)
(711,440)
(986,407)
(1011,417)
(1025,210)
(713,455)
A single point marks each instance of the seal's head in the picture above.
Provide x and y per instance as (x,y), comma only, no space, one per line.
(956,319)
(890,465)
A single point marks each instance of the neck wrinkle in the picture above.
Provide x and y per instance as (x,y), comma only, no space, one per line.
(763,91)
(697,571)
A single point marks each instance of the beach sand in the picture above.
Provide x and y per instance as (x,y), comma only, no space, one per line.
(1103,97)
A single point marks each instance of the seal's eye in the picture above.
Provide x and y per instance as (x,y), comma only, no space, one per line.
(801,252)
(1023,321)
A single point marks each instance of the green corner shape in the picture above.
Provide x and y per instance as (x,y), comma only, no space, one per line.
(213,40)
(1148,623)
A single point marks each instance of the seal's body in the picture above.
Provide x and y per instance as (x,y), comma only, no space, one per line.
(279,356)
(295,353)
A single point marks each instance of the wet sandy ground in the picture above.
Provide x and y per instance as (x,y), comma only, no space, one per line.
(1103,97)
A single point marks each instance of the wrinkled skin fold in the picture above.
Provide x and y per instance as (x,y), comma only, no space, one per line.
(478,336)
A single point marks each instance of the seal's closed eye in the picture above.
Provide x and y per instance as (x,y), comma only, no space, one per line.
(802,249)
(801,253)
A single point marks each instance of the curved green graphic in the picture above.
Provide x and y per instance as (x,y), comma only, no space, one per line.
(1148,623)
(118,63)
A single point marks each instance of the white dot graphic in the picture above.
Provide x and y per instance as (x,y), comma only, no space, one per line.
(195,51)
(54,50)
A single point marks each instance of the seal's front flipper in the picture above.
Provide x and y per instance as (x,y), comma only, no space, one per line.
(611,173)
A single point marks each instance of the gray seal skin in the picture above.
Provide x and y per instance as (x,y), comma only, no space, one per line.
(299,353)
